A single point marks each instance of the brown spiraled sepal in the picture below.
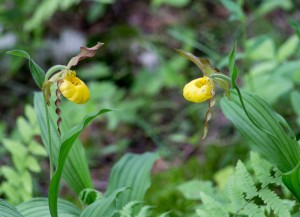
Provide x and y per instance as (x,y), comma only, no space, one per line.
(57,104)
(208,116)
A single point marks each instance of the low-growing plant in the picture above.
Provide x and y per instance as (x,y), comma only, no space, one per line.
(24,150)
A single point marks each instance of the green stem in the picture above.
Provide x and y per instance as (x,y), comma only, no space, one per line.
(49,139)
(54,69)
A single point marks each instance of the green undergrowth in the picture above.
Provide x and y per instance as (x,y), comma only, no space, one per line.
(163,193)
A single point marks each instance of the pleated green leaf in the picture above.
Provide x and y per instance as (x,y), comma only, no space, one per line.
(133,171)
(37,72)
(279,146)
(105,207)
(292,181)
(76,172)
(66,144)
(7,210)
(38,207)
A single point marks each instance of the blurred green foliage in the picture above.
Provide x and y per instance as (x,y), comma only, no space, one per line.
(138,73)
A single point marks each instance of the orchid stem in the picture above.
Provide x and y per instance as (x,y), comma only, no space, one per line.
(49,139)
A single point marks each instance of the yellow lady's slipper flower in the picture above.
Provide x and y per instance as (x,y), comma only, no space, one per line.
(199,90)
(74,89)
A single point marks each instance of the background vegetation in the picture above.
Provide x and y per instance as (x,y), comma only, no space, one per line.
(138,72)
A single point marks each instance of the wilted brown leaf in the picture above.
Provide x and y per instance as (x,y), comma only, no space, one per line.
(85,52)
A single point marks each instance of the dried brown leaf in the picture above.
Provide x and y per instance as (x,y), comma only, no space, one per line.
(85,52)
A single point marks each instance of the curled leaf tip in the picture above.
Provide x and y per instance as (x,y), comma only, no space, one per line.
(85,52)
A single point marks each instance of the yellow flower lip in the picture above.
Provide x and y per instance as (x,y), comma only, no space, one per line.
(199,90)
(74,89)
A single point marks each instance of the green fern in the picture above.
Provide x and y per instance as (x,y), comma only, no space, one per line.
(247,192)
(273,202)
(127,210)
(145,211)
(244,180)
(213,207)
(24,150)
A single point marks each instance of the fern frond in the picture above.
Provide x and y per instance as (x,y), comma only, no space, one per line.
(274,203)
(262,170)
(202,213)
(244,180)
(235,195)
(253,210)
(144,212)
(126,211)
(213,208)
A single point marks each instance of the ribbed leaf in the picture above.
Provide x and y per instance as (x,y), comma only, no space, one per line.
(105,207)
(292,181)
(279,147)
(67,142)
(132,171)
(38,207)
(7,210)
(37,72)
(89,195)
(76,172)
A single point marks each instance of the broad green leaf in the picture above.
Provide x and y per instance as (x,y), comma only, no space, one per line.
(38,207)
(279,147)
(292,180)
(10,174)
(37,72)
(279,85)
(260,48)
(30,115)
(132,171)
(32,164)
(16,148)
(263,67)
(268,6)
(105,207)
(191,189)
(287,48)
(76,172)
(19,53)
(24,129)
(235,9)
(289,69)
(295,100)
(7,210)
(37,149)
(67,142)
